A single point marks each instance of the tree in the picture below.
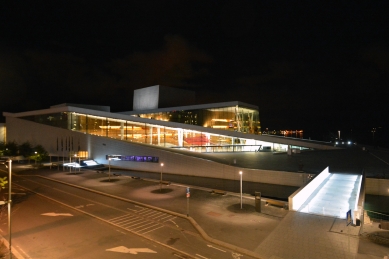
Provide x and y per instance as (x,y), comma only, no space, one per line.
(11,149)
(2,148)
(40,154)
(26,149)
(3,182)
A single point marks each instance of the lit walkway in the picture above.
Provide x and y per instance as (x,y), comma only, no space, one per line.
(305,236)
(334,196)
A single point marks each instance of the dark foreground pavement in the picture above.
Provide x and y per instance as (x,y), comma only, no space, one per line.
(273,233)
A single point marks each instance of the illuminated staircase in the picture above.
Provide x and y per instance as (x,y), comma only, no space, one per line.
(336,194)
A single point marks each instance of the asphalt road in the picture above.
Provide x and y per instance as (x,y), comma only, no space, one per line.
(43,228)
(69,222)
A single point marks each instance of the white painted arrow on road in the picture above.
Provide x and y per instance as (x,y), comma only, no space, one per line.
(123,249)
(53,214)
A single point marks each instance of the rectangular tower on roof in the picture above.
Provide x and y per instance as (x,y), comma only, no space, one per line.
(158,96)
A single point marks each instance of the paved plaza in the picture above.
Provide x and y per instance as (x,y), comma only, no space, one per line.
(274,233)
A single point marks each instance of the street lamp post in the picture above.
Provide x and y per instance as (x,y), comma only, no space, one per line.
(70,163)
(240,173)
(9,202)
(63,159)
(160,181)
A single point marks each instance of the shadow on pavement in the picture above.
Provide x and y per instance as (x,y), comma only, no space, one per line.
(245,208)
(109,181)
(164,190)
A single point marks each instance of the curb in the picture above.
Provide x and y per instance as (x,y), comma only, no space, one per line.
(15,253)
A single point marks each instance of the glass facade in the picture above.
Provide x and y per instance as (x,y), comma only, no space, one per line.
(234,118)
(154,134)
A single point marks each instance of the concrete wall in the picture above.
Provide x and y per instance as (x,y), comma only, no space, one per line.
(98,147)
(300,196)
(377,186)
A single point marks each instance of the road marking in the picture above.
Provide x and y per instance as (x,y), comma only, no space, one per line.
(123,249)
(145,212)
(202,256)
(173,223)
(124,219)
(53,214)
(216,248)
(21,250)
(142,208)
(160,214)
(136,223)
(143,225)
(152,230)
(79,206)
(155,226)
(131,209)
(171,217)
(131,222)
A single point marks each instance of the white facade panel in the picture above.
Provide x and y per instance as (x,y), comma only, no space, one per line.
(3,134)
(146,98)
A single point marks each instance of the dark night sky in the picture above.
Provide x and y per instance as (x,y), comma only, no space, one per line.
(320,67)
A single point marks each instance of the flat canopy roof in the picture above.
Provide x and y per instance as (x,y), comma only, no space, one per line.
(194,107)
